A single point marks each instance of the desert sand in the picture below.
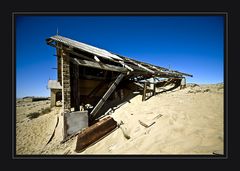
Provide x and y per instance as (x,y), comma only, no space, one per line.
(186,121)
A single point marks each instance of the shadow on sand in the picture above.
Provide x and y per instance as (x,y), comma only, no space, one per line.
(111,105)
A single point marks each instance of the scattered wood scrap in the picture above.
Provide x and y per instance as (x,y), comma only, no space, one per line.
(146,125)
(158,116)
(67,152)
(53,131)
(123,130)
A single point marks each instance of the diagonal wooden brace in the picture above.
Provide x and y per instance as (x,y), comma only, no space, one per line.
(106,95)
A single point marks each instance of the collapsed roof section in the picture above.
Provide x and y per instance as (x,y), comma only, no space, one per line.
(90,56)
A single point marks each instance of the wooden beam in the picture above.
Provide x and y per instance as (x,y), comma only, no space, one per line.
(126,66)
(95,133)
(141,66)
(96,59)
(79,55)
(144,91)
(154,89)
(99,65)
(105,96)
(135,68)
(183,73)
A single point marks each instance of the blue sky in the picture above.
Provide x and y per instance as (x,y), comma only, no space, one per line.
(191,44)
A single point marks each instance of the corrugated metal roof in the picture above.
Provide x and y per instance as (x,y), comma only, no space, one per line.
(149,68)
(85,47)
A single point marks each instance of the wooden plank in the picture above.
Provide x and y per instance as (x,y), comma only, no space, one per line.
(53,131)
(80,55)
(183,73)
(144,63)
(94,133)
(139,85)
(106,95)
(96,59)
(126,66)
(99,65)
(141,66)
(136,68)
(146,125)
(154,89)
(124,130)
(144,91)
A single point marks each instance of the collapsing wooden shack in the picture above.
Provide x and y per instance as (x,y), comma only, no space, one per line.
(88,76)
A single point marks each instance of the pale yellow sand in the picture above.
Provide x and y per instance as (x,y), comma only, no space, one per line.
(191,123)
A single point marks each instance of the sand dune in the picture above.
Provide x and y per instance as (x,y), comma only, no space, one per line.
(187,121)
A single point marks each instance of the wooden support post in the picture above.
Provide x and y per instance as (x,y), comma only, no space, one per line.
(59,70)
(76,87)
(144,91)
(154,89)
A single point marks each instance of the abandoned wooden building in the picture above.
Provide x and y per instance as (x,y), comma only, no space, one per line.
(88,76)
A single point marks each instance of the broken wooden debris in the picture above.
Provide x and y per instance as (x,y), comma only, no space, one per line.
(123,130)
(67,152)
(106,95)
(94,133)
(144,91)
(146,125)
(158,116)
(53,132)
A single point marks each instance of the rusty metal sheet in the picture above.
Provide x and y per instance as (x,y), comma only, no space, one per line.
(94,133)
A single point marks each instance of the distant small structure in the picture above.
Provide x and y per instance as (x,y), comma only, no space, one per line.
(56,91)
(183,83)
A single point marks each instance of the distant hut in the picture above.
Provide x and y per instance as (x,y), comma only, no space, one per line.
(56,91)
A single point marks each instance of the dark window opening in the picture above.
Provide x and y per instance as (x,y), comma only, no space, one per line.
(59,96)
